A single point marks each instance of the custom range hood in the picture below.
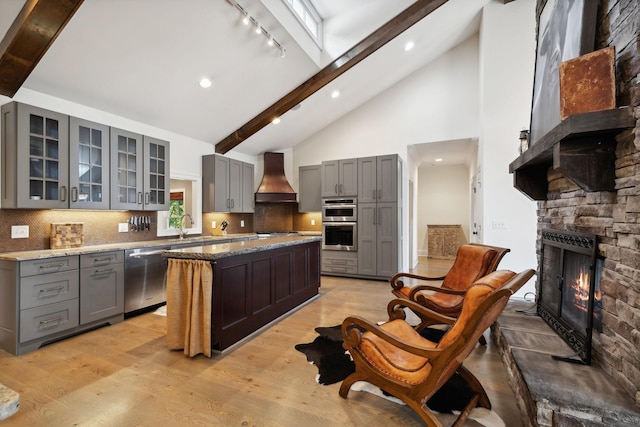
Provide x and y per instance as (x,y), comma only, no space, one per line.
(274,187)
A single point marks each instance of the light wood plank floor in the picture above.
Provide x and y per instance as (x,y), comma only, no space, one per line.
(123,375)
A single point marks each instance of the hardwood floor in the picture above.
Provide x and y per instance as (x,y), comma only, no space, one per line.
(123,375)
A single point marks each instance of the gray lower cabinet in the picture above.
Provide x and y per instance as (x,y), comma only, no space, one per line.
(45,300)
(339,262)
(378,239)
(101,286)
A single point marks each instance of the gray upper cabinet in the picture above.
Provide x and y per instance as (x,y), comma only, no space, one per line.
(235,185)
(140,177)
(224,186)
(89,164)
(340,178)
(35,151)
(248,201)
(156,179)
(378,179)
(309,179)
(126,176)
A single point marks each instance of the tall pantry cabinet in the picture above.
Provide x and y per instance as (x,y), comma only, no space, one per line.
(379,215)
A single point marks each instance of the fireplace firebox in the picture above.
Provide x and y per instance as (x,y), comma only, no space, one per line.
(569,297)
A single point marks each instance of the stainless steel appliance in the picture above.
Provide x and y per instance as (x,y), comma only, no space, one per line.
(340,236)
(339,210)
(145,276)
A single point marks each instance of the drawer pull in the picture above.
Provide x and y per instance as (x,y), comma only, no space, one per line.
(102,260)
(103,270)
(56,289)
(54,320)
(59,265)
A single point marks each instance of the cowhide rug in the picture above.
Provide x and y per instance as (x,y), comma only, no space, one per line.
(334,365)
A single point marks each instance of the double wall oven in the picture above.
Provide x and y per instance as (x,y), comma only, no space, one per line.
(339,224)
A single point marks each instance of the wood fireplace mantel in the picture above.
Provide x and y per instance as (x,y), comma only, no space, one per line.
(582,148)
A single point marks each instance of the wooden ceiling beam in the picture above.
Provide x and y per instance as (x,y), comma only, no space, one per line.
(380,37)
(31,34)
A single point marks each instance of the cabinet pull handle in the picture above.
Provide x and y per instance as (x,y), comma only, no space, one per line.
(54,320)
(74,194)
(102,270)
(59,265)
(375,213)
(336,190)
(374,194)
(146,198)
(233,203)
(63,193)
(102,260)
(341,188)
(139,197)
(57,288)
(379,194)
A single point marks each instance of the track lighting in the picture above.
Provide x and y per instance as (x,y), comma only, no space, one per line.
(248,19)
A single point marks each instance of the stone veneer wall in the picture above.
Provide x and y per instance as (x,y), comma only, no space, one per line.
(614,216)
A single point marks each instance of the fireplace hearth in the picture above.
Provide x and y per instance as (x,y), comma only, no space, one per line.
(569,298)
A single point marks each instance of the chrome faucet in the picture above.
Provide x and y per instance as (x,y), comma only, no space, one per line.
(184,232)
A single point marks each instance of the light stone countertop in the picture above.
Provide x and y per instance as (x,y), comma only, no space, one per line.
(52,253)
(222,250)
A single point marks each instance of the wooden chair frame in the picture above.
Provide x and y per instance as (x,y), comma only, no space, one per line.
(444,361)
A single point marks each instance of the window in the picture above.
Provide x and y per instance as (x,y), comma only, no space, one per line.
(307,16)
(176,209)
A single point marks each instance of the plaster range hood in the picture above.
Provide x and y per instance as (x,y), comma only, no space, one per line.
(274,187)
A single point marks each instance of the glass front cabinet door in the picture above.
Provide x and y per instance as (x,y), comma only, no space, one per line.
(140,179)
(156,180)
(89,164)
(41,144)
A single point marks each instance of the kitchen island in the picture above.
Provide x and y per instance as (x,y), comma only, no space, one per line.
(253,283)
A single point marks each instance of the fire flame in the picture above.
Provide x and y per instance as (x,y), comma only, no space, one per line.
(581,291)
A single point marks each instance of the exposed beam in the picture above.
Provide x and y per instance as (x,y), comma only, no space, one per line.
(31,34)
(353,56)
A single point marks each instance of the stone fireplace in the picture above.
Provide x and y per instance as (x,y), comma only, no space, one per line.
(587,180)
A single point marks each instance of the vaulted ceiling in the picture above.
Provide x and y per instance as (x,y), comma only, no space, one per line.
(143,59)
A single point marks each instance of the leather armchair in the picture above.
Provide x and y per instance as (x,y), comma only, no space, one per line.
(472,262)
(396,358)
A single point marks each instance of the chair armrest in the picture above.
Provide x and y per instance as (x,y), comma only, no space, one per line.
(352,333)
(396,282)
(395,311)
(419,288)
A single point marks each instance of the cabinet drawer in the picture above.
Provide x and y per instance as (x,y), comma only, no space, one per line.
(48,288)
(48,319)
(346,262)
(48,265)
(100,259)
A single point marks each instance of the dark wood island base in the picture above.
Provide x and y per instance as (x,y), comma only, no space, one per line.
(256,282)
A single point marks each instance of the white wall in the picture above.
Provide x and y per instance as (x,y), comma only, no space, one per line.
(507,53)
(438,102)
(443,199)
(481,89)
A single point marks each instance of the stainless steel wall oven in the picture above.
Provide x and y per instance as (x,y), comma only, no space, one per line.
(339,210)
(340,236)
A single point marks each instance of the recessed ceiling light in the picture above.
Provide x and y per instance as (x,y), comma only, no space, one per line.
(205,83)
(335,94)
(276,120)
(408,46)
(438,159)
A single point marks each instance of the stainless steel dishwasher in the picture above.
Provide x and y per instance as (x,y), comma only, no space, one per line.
(145,271)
